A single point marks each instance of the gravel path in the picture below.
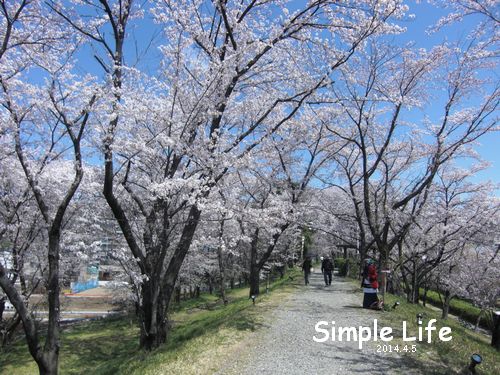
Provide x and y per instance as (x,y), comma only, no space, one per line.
(286,346)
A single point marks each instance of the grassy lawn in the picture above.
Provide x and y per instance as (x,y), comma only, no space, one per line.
(441,357)
(463,309)
(204,335)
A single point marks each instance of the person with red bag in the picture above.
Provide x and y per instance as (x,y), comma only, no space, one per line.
(370,286)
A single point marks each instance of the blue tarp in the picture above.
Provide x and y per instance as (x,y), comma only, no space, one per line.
(77,287)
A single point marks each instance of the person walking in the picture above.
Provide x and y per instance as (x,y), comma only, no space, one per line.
(327,270)
(306,267)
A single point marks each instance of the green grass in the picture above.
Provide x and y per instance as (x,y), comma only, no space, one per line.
(204,334)
(437,358)
(463,309)
(442,357)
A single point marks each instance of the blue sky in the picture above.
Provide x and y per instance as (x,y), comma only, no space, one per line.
(425,15)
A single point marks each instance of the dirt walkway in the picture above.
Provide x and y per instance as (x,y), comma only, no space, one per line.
(286,345)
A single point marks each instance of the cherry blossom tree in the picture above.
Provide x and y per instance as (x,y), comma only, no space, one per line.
(232,74)
(482,287)
(460,9)
(20,231)
(332,215)
(394,159)
(221,229)
(455,218)
(458,276)
(42,124)
(213,156)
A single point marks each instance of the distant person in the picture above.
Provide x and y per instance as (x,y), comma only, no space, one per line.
(306,267)
(327,270)
(370,286)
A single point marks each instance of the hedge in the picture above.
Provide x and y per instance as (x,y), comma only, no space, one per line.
(459,307)
(345,265)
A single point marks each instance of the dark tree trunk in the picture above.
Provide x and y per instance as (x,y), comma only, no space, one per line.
(220,258)
(2,308)
(159,303)
(495,337)
(446,304)
(222,278)
(404,273)
(417,294)
(406,282)
(383,266)
(424,299)
(48,364)
(256,265)
(254,269)
(178,294)
(45,358)
(362,257)
(152,319)
(210,286)
(414,295)
(51,348)
(254,281)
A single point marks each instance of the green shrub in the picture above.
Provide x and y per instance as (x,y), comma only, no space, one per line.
(340,263)
(353,268)
(440,357)
(347,267)
(459,307)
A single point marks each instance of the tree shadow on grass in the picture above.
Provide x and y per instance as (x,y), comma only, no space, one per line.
(229,316)
(111,346)
(84,347)
(116,349)
(17,355)
(99,348)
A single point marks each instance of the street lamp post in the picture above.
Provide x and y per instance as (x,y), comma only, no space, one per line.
(420,318)
(475,360)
